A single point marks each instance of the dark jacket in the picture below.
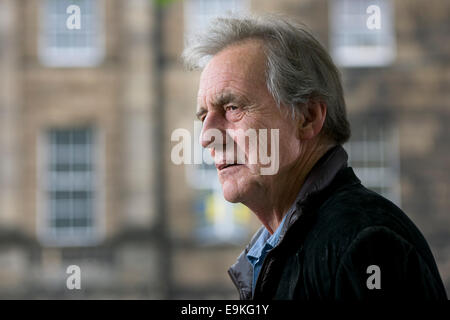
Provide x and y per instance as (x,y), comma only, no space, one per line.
(334,231)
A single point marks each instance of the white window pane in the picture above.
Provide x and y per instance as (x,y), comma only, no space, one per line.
(199,13)
(362,32)
(373,154)
(69,185)
(62,46)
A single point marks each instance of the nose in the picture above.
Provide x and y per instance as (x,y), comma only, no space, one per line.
(212,131)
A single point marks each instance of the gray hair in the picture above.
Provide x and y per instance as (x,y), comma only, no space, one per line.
(298,68)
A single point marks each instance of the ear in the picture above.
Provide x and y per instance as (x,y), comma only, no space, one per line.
(311,120)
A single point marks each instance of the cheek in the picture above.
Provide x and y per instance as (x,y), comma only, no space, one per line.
(289,150)
(247,142)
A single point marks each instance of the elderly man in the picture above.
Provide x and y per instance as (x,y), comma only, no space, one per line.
(324,235)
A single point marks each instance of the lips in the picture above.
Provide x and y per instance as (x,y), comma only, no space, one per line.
(221,166)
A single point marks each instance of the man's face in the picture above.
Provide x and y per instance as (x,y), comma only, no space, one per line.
(233,95)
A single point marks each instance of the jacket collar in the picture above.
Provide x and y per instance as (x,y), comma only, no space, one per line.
(320,176)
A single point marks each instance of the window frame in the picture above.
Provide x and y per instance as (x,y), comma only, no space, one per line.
(359,55)
(45,231)
(71,57)
(191,13)
(228,224)
(389,169)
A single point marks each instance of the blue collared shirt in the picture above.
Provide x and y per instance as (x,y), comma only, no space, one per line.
(262,246)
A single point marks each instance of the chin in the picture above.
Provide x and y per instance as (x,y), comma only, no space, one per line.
(231,196)
(230,192)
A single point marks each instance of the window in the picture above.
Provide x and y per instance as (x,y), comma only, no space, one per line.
(68,187)
(217,220)
(78,46)
(362,32)
(373,154)
(199,13)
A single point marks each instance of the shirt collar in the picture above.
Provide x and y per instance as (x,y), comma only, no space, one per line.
(265,241)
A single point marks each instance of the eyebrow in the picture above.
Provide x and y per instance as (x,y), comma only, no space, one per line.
(220,100)
(200,113)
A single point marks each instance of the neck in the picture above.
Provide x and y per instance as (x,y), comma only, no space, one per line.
(274,201)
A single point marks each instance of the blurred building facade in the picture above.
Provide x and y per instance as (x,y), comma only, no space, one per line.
(87,112)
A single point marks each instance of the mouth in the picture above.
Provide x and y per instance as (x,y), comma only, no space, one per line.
(224,166)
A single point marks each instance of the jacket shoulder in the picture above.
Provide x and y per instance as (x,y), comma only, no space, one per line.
(351,216)
(352,209)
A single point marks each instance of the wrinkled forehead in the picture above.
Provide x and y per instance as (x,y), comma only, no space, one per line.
(241,64)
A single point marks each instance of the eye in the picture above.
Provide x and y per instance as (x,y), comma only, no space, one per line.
(231,108)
